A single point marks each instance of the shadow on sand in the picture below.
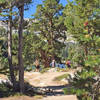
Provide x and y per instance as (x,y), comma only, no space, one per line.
(6,90)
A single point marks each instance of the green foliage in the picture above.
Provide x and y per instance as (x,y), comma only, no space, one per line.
(76,55)
(31,48)
(5,91)
(1,1)
(48,26)
(82,21)
(85,90)
(30,68)
(59,78)
(63,69)
(15,49)
(3,52)
(93,61)
(2,31)
(44,70)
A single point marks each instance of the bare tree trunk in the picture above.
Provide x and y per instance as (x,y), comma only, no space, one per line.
(20,59)
(11,69)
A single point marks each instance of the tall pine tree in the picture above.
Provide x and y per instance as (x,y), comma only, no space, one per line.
(48,25)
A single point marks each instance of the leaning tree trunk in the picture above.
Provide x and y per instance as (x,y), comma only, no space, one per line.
(11,69)
(20,59)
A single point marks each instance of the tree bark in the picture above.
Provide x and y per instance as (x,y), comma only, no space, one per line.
(11,69)
(20,59)
(52,37)
(46,61)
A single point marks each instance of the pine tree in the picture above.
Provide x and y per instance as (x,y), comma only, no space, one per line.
(48,22)
(20,5)
(8,8)
(82,22)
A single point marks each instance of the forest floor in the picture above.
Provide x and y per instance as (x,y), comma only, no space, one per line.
(46,80)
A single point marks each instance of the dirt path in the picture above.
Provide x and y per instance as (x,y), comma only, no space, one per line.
(46,80)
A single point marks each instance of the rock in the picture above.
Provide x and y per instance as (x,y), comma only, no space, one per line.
(3,81)
(64,80)
(72,75)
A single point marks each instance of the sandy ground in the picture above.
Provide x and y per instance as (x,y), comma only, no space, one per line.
(18,98)
(46,80)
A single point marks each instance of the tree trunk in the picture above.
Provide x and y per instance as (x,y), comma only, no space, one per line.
(52,37)
(11,69)
(46,59)
(20,59)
